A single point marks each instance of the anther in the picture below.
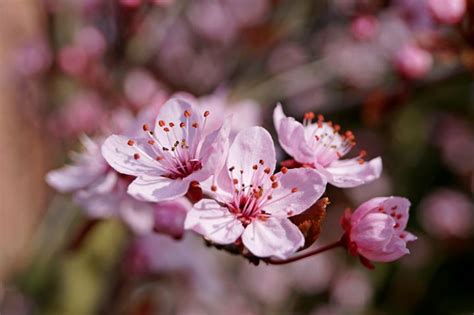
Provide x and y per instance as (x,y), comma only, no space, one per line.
(362,153)
(171,124)
(235,181)
(267,170)
(130,142)
(284,170)
(146,128)
(159,158)
(187,114)
(182,124)
(273,178)
(136,156)
(206,113)
(231,168)
(255,166)
(161,123)
(152,142)
(261,162)
(166,129)
(275,185)
(214,188)
(195,125)
(294,189)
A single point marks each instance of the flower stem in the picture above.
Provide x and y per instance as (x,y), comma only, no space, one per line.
(316,251)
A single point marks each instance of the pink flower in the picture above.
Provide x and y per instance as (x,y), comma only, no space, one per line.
(447,213)
(413,62)
(320,146)
(364,27)
(100,190)
(179,151)
(253,203)
(376,229)
(448,11)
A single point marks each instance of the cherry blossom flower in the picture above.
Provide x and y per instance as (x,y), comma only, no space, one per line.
(179,151)
(413,62)
(364,27)
(319,145)
(253,204)
(376,229)
(448,12)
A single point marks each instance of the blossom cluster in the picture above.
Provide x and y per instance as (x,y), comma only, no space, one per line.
(184,170)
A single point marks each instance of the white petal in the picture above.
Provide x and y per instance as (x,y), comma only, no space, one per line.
(349,173)
(157,188)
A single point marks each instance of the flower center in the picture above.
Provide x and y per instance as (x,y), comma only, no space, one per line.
(176,149)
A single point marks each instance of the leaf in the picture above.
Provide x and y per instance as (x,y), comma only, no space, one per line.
(309,222)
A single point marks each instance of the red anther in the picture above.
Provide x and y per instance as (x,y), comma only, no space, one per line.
(361,161)
(261,162)
(130,142)
(136,156)
(159,158)
(399,216)
(275,185)
(195,125)
(394,208)
(362,153)
(403,235)
(161,123)
(182,124)
(166,129)
(152,142)
(317,137)
(269,197)
(187,114)
(309,116)
(273,178)
(206,113)
(330,123)
(267,170)
(284,170)
(294,189)
(214,188)
(255,166)
(337,128)
(171,124)
(146,128)
(235,181)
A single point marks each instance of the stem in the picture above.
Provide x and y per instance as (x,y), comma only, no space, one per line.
(307,254)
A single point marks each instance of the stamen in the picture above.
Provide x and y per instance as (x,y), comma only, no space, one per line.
(136,156)
(161,123)
(214,188)
(152,142)
(284,170)
(275,185)
(171,124)
(294,189)
(206,113)
(187,114)
(195,125)
(146,128)
(130,142)
(267,170)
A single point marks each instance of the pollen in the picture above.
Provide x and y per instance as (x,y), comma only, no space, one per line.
(267,170)
(151,142)
(284,170)
(206,113)
(261,162)
(171,124)
(294,189)
(130,142)
(136,156)
(255,166)
(273,178)
(166,129)
(195,125)
(161,123)
(235,181)
(275,185)
(182,124)
(146,128)
(187,114)
(214,188)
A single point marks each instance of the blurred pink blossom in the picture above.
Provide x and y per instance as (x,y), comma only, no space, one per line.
(287,56)
(448,11)
(91,40)
(73,60)
(364,27)
(413,62)
(169,217)
(33,58)
(376,229)
(446,213)
(141,88)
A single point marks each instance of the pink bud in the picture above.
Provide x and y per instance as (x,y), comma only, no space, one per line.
(413,62)
(448,11)
(91,40)
(73,60)
(170,215)
(376,229)
(364,27)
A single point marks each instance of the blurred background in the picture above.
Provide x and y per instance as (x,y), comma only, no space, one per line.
(398,73)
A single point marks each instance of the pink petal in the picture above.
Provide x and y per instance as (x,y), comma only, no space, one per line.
(173,112)
(72,177)
(215,148)
(397,208)
(249,147)
(272,237)
(214,222)
(349,173)
(308,186)
(369,206)
(393,251)
(291,135)
(120,156)
(169,216)
(138,215)
(373,232)
(157,188)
